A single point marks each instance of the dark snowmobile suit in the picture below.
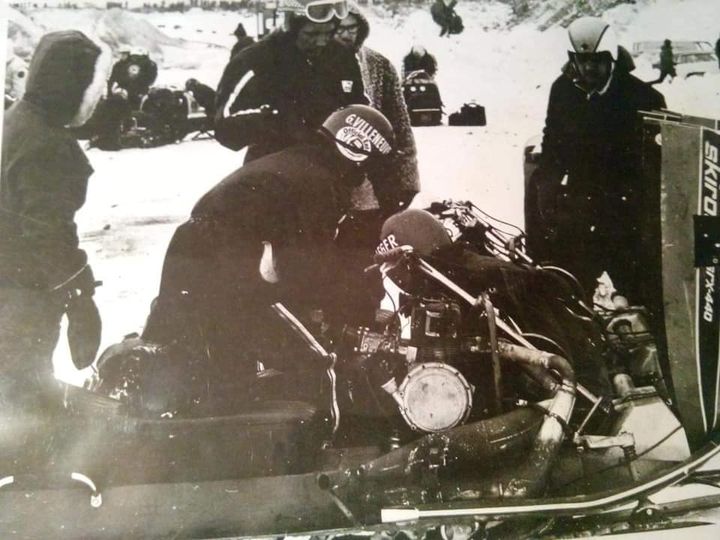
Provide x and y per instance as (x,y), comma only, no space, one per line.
(215,294)
(667,63)
(135,75)
(594,222)
(44,181)
(203,94)
(271,96)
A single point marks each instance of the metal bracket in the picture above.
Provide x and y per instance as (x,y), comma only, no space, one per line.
(707,240)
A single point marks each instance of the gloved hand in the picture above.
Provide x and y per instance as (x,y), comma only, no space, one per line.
(84,329)
(84,323)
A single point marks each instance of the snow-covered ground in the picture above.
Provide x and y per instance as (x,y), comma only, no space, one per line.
(137,197)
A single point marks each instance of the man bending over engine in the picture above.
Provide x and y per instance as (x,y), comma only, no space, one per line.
(264,235)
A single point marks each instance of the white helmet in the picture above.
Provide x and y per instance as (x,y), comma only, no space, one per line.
(139,51)
(592,35)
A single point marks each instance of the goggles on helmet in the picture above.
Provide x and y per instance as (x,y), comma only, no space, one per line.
(322,11)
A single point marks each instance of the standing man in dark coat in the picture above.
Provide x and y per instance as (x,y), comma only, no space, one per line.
(276,92)
(243,40)
(667,62)
(265,234)
(43,272)
(396,186)
(717,50)
(588,189)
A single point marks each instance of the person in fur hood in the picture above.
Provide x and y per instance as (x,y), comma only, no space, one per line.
(397,187)
(43,272)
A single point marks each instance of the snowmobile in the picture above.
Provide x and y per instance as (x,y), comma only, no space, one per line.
(166,115)
(486,400)
(422,98)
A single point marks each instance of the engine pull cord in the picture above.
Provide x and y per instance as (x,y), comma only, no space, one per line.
(497,372)
(314,345)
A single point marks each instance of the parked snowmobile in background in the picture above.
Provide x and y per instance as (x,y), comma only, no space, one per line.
(422,98)
(486,399)
(166,115)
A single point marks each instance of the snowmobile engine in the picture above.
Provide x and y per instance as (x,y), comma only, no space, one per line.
(431,395)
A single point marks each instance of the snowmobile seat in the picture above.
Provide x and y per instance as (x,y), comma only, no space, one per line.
(103,441)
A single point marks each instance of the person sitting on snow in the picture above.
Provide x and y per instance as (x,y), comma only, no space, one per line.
(203,94)
(397,185)
(418,59)
(584,203)
(265,234)
(275,93)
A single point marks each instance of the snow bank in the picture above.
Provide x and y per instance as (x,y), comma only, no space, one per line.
(114,27)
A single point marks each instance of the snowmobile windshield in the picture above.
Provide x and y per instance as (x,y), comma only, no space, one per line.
(323,10)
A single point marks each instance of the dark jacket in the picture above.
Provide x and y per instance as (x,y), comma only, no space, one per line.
(270,96)
(667,61)
(442,12)
(415,62)
(44,171)
(204,95)
(595,141)
(213,300)
(382,86)
(135,74)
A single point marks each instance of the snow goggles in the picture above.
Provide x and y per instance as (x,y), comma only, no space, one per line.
(322,11)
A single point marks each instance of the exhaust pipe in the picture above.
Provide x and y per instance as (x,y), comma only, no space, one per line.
(474,445)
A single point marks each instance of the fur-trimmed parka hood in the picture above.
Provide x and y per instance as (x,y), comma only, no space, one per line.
(364,25)
(65,69)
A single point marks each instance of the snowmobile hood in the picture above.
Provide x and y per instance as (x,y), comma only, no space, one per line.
(364,25)
(62,70)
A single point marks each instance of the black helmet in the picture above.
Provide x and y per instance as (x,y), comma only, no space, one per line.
(360,132)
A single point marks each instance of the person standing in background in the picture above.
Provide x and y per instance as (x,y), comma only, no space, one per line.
(394,188)
(278,91)
(667,63)
(588,188)
(243,40)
